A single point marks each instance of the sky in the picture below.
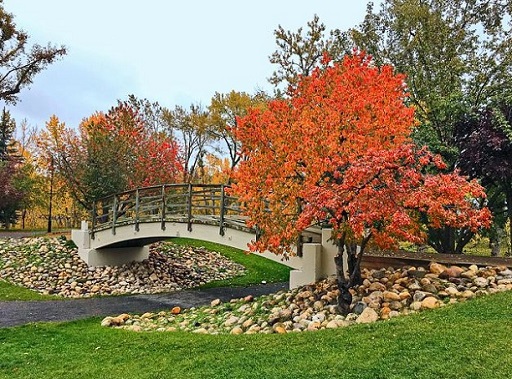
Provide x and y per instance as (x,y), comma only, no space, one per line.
(176,53)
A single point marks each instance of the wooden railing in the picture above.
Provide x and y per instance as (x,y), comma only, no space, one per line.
(188,203)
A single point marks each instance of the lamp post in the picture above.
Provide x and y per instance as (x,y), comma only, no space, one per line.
(49,230)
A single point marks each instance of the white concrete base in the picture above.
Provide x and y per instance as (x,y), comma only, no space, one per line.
(106,256)
(113,256)
(311,264)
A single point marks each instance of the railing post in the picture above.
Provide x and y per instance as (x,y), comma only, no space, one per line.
(189,204)
(137,207)
(114,215)
(222,210)
(93,213)
(162,224)
(300,246)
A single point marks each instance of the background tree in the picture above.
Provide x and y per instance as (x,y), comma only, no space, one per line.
(224,111)
(110,153)
(19,63)
(338,152)
(299,53)
(10,195)
(35,202)
(151,113)
(15,179)
(192,129)
(216,170)
(457,57)
(485,143)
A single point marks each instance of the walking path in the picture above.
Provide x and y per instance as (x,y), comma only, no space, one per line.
(13,313)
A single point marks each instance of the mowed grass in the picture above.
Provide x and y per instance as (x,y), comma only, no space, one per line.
(258,268)
(468,340)
(10,292)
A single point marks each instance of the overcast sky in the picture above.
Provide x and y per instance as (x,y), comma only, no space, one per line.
(176,53)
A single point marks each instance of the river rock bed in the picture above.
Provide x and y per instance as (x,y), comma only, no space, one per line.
(52,266)
(384,294)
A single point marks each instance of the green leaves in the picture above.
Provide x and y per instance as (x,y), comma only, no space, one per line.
(19,63)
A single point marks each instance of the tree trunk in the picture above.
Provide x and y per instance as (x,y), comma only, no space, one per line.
(345,297)
(509,215)
(496,234)
(494,244)
(448,240)
(354,271)
(354,268)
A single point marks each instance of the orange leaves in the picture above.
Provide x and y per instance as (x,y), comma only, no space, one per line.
(110,152)
(338,151)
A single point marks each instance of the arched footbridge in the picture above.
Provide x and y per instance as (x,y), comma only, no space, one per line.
(123,225)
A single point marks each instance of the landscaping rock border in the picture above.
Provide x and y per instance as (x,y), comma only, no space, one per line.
(384,294)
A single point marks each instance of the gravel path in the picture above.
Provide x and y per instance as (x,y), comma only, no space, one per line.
(20,234)
(13,313)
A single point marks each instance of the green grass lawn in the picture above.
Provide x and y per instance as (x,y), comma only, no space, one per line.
(258,268)
(468,340)
(9,292)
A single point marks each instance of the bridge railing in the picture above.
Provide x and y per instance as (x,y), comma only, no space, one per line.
(189,203)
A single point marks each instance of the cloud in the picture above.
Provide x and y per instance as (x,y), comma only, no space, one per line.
(73,89)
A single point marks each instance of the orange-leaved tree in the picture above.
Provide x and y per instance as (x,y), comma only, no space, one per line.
(338,153)
(110,153)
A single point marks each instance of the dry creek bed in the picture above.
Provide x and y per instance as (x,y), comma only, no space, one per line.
(384,294)
(52,266)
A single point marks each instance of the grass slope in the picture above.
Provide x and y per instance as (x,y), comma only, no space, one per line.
(257,267)
(10,292)
(468,340)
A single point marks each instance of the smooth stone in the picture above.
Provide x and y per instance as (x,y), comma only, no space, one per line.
(236,330)
(390,296)
(436,268)
(367,316)
(359,307)
(429,302)
(451,272)
(480,282)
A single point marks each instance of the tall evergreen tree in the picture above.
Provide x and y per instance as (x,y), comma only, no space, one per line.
(11,195)
(7,142)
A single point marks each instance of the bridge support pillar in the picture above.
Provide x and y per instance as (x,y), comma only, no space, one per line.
(105,256)
(113,256)
(317,261)
(311,266)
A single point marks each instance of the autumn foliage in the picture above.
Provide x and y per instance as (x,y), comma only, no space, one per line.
(338,152)
(111,152)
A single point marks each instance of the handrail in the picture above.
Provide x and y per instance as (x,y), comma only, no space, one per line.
(189,203)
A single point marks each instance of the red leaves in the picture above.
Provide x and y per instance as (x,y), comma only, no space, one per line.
(111,152)
(338,150)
